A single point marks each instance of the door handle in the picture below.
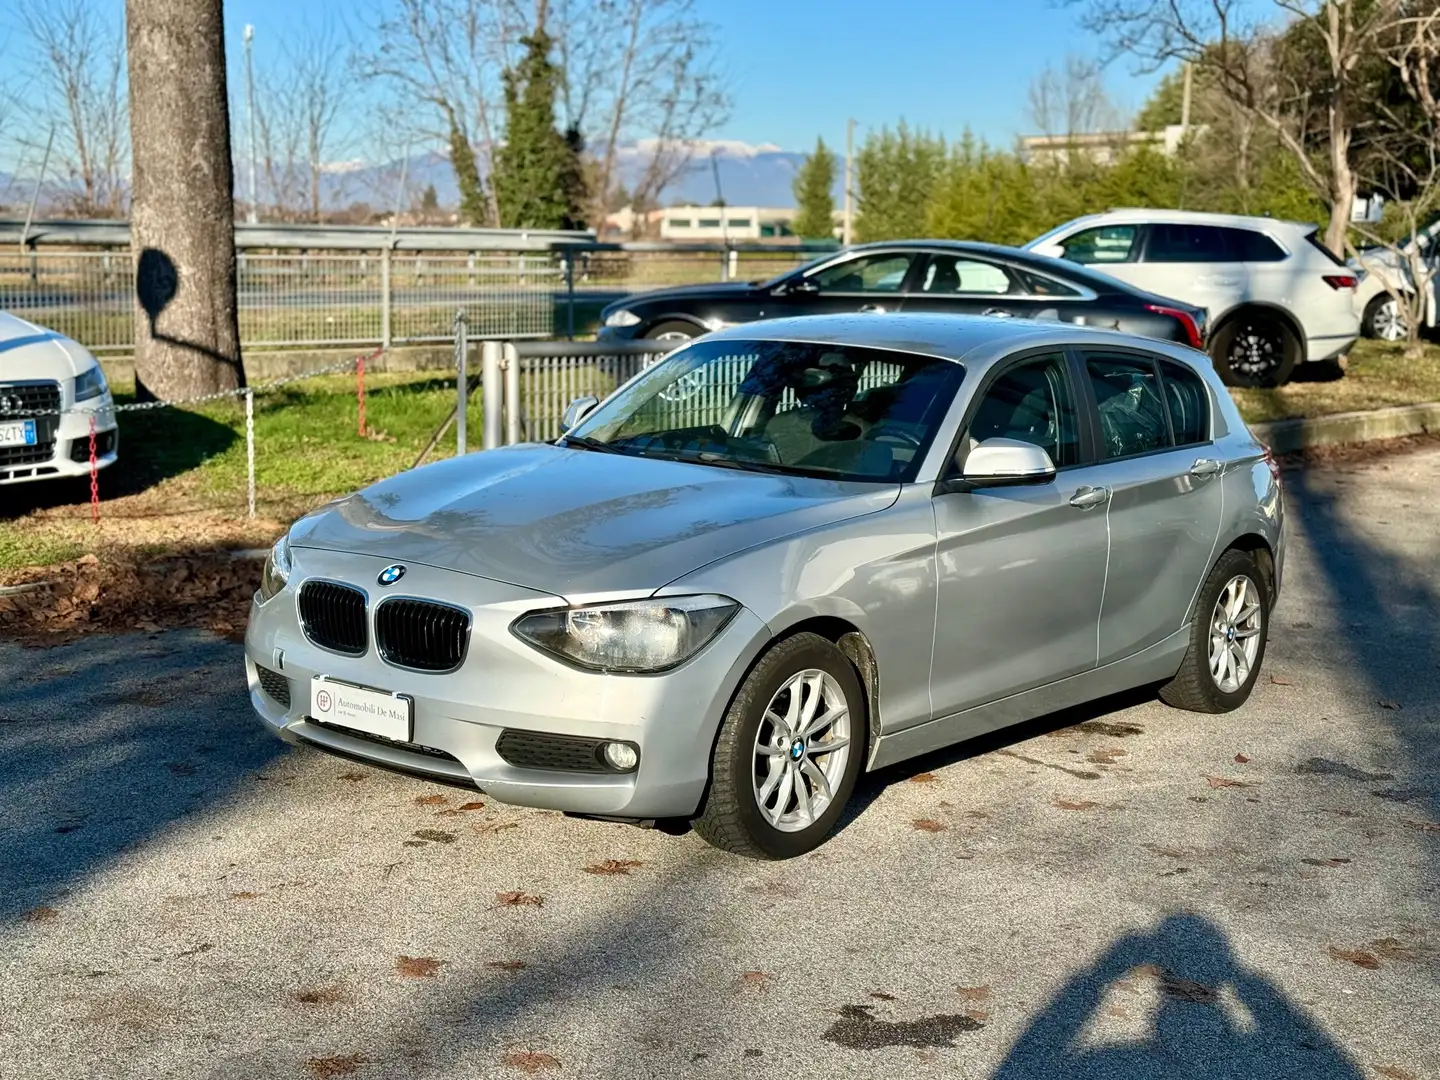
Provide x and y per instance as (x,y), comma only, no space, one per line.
(999,313)
(1087,498)
(1205,467)
(872,308)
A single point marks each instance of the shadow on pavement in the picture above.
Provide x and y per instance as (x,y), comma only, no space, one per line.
(1216,1018)
(107,743)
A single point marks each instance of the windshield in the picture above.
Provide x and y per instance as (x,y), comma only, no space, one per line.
(834,411)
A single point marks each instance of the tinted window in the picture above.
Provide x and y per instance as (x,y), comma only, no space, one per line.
(961,274)
(1187,402)
(1252,246)
(1040,285)
(835,411)
(1030,402)
(709,223)
(680,223)
(880,272)
(739,223)
(1103,244)
(1132,415)
(1187,244)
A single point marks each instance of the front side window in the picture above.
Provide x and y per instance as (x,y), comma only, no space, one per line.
(1187,402)
(880,272)
(1132,413)
(834,411)
(1102,244)
(1031,402)
(949,274)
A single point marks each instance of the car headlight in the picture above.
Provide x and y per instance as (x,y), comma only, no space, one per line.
(90,384)
(623,317)
(277,569)
(638,636)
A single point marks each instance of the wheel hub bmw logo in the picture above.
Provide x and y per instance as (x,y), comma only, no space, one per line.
(797,749)
(391,574)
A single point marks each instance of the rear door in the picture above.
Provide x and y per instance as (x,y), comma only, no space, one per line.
(869,281)
(1152,420)
(966,284)
(1194,263)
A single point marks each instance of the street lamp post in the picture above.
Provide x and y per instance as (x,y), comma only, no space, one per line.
(252,216)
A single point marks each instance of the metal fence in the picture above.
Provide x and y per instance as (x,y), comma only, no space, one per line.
(343,297)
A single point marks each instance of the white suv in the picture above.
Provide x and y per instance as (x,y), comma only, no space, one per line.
(43,373)
(1275,295)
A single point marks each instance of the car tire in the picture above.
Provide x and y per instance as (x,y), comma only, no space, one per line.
(1254,348)
(1384,319)
(674,330)
(1218,626)
(738,815)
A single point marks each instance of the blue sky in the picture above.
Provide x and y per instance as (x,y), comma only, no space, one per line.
(798,68)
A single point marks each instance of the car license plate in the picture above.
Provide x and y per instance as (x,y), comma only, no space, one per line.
(375,712)
(17,433)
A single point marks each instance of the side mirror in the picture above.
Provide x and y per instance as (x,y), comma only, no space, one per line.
(577,410)
(1007,461)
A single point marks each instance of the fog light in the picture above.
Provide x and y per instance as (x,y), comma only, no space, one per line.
(622,757)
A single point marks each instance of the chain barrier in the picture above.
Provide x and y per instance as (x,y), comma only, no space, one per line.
(94,477)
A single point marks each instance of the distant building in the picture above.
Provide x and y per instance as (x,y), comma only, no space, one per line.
(747,223)
(1101,147)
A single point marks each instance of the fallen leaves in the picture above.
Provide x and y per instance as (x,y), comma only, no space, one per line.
(1106,755)
(974,993)
(1280,680)
(1423,826)
(1329,863)
(418,967)
(924,778)
(435,835)
(1358,957)
(321,995)
(246,895)
(518,899)
(353,777)
(327,1067)
(1241,759)
(531,1061)
(753,979)
(929,825)
(1172,986)
(1073,804)
(880,995)
(1225,781)
(463,808)
(1394,1072)
(613,867)
(44,913)
(1387,704)
(431,800)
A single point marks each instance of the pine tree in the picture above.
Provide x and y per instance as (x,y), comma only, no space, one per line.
(467,174)
(535,166)
(814,204)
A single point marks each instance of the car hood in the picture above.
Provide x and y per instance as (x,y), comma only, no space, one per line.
(719,290)
(28,351)
(578,523)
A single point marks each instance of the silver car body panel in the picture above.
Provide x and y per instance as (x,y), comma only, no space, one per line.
(981,609)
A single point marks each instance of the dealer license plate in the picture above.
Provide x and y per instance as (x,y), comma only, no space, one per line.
(375,712)
(17,433)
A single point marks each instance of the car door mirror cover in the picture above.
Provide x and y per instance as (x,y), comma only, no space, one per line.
(577,410)
(1000,461)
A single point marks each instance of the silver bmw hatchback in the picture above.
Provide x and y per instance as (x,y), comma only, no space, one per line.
(787,553)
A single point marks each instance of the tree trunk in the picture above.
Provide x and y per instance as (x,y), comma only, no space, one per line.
(1342,178)
(182,221)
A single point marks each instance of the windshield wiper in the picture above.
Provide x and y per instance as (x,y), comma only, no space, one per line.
(705,457)
(587,443)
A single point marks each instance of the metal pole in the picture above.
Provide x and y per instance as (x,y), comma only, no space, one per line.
(511,363)
(250,446)
(462,379)
(847,231)
(385,297)
(1185,105)
(491,396)
(35,195)
(569,295)
(253,215)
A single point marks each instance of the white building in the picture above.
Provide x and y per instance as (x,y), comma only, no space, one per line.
(1102,147)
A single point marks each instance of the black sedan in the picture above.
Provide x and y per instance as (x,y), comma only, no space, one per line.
(912,275)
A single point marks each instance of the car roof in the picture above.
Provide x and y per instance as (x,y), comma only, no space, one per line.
(1043,264)
(970,339)
(1142,215)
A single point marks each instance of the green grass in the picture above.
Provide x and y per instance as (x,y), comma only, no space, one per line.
(1378,375)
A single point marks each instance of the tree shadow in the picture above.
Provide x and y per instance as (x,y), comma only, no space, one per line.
(157,281)
(106,743)
(1216,1017)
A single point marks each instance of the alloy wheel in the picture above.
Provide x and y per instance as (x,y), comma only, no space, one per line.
(1257,350)
(1389,321)
(1235,629)
(802,747)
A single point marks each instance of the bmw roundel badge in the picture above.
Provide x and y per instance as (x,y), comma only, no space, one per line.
(391,574)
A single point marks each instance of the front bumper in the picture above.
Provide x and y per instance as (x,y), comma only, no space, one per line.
(505,684)
(69,450)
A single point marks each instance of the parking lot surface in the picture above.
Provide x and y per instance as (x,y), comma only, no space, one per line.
(1124,891)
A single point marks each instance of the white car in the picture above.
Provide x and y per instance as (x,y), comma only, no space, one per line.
(1387,276)
(43,374)
(1275,295)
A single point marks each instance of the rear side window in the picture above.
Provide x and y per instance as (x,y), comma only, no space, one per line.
(1188,244)
(1132,412)
(1102,244)
(1251,246)
(1187,403)
(1040,285)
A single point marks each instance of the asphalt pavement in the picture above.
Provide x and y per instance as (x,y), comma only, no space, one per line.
(1121,891)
